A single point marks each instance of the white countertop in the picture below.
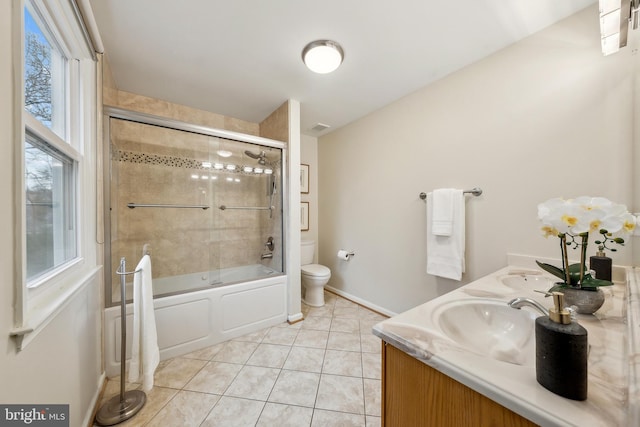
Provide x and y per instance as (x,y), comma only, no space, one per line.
(613,364)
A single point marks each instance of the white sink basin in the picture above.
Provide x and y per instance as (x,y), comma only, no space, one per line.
(527,281)
(490,328)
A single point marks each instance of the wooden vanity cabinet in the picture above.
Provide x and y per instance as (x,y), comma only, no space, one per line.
(414,394)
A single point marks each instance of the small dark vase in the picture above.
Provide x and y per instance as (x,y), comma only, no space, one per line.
(588,302)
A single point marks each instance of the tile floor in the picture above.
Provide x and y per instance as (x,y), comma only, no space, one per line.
(322,371)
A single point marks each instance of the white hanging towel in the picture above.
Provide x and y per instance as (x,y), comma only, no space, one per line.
(145,354)
(442,213)
(445,254)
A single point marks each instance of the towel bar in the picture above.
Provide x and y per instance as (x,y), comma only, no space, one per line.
(475,191)
(249,208)
(143,205)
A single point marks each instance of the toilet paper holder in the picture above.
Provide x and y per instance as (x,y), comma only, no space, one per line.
(345,255)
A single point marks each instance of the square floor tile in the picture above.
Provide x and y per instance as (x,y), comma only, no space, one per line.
(187,408)
(343,341)
(214,377)
(275,414)
(254,337)
(305,359)
(345,325)
(235,352)
(310,338)
(234,412)
(282,336)
(205,353)
(345,312)
(324,311)
(339,362)
(370,343)
(338,393)
(372,397)
(177,372)
(269,355)
(371,365)
(295,388)
(318,323)
(253,382)
(323,418)
(157,398)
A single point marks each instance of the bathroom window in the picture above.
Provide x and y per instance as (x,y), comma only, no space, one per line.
(50,208)
(45,71)
(51,147)
(55,176)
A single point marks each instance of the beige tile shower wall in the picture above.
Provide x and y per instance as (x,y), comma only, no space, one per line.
(174,234)
(276,126)
(153,165)
(158,107)
(225,236)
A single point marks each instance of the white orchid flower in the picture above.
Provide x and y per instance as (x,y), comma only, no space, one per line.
(629,223)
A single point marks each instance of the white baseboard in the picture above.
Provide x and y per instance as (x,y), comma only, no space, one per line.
(92,409)
(293,318)
(360,301)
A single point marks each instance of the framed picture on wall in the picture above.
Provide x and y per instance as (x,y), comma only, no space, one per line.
(304,179)
(304,216)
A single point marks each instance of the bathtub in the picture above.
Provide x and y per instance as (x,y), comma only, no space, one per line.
(192,313)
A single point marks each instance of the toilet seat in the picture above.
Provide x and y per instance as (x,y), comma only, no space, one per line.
(315,270)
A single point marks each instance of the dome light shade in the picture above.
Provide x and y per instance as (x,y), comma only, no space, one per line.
(322,56)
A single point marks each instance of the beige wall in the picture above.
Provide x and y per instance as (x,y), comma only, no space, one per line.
(548,116)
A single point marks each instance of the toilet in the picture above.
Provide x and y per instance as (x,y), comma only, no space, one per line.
(314,276)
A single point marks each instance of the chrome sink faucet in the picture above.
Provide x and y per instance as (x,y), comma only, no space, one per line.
(520,302)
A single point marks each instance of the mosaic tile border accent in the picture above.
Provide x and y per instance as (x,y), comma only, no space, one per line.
(157,159)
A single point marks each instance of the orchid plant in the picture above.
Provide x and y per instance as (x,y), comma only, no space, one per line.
(572,220)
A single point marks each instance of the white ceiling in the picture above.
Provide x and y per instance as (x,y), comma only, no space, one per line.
(242,58)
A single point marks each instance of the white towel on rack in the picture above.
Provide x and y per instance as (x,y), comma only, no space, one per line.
(445,254)
(145,354)
(442,204)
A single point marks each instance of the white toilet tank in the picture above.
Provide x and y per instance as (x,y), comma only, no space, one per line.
(308,248)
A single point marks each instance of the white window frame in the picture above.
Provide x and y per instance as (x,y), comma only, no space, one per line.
(40,300)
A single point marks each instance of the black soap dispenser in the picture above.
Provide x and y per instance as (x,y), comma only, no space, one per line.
(601,264)
(561,352)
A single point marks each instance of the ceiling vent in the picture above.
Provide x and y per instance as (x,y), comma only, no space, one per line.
(319,127)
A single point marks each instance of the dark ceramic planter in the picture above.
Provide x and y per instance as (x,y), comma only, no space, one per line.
(588,302)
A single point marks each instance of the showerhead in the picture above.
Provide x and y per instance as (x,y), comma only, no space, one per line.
(260,157)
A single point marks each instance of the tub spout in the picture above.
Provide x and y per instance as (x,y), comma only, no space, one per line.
(266,255)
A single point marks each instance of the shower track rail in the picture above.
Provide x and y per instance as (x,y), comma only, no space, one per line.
(141,205)
(249,208)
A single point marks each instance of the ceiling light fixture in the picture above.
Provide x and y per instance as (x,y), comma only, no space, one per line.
(322,56)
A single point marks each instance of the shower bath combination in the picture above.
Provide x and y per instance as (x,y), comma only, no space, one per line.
(190,170)
(209,266)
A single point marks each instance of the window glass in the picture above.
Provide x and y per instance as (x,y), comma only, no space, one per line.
(44,77)
(50,225)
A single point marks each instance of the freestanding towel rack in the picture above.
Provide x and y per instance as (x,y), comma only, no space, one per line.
(126,404)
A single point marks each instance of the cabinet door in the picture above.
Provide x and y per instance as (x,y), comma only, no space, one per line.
(414,394)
